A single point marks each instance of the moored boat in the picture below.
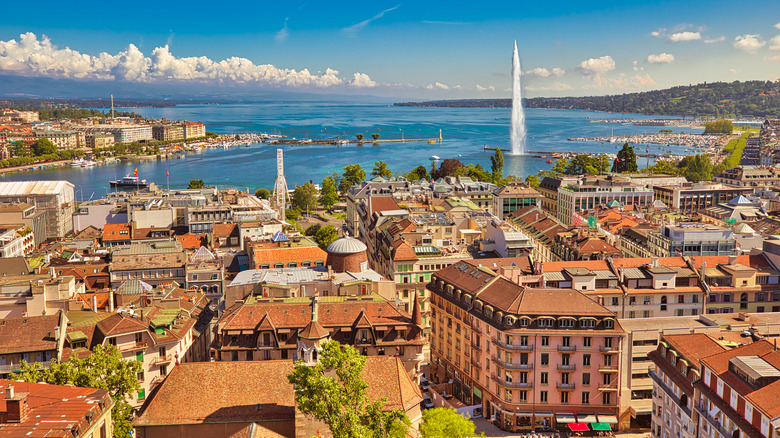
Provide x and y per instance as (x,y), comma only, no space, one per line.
(130,181)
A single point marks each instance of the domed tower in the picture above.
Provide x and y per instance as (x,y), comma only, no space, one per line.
(347,254)
(311,338)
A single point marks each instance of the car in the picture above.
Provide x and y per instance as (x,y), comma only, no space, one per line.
(424,384)
(427,403)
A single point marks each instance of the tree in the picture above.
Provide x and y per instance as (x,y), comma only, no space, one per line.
(719,127)
(532,181)
(450,167)
(304,197)
(626,160)
(325,236)
(560,165)
(43,146)
(375,136)
(381,169)
(696,168)
(237,137)
(196,184)
(418,173)
(312,230)
(359,137)
(334,392)
(263,193)
(497,166)
(477,173)
(105,369)
(328,194)
(446,423)
(664,167)
(353,174)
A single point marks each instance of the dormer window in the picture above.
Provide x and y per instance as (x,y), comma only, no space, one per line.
(524,322)
(467,299)
(509,320)
(546,322)
(566,323)
(609,323)
(588,323)
(488,311)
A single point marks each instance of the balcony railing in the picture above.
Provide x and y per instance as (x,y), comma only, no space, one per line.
(513,384)
(608,368)
(609,350)
(660,383)
(569,367)
(512,365)
(567,348)
(608,386)
(134,346)
(515,347)
(163,359)
(560,385)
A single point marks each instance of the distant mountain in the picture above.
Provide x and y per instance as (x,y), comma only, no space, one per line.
(719,99)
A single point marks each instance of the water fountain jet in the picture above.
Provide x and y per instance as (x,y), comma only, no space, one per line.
(517,133)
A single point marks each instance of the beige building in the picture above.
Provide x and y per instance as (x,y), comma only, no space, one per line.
(64,139)
(54,198)
(99,140)
(194,130)
(168,132)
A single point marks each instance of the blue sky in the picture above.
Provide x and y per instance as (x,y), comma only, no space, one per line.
(426,49)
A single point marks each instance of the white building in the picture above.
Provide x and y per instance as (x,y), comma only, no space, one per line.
(54,198)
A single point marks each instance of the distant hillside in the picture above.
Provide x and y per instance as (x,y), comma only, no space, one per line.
(719,99)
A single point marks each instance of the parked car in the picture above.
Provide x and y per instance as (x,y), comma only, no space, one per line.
(427,403)
(424,384)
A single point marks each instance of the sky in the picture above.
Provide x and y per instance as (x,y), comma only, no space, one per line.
(413,50)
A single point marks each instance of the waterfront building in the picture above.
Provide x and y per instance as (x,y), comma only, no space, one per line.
(194,130)
(691,239)
(64,139)
(588,192)
(689,198)
(55,199)
(513,196)
(31,339)
(265,406)
(123,133)
(99,140)
(168,132)
(526,358)
(40,409)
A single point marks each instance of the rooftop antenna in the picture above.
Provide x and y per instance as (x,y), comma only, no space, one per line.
(112,106)
(280,188)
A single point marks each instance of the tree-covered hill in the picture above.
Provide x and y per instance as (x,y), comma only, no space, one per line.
(718,99)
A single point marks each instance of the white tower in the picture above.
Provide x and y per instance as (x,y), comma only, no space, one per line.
(280,187)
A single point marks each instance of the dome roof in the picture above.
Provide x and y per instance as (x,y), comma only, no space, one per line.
(346,245)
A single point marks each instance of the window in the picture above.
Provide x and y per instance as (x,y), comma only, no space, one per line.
(585,398)
(564,397)
(139,356)
(542,396)
(139,337)
(608,323)
(586,341)
(586,378)
(606,398)
(545,359)
(586,360)
(544,378)
(163,370)
(566,341)
(614,301)
(524,341)
(545,341)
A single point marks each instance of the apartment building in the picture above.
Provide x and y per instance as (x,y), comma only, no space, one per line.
(749,176)
(168,132)
(55,199)
(194,130)
(99,140)
(691,239)
(64,139)
(525,358)
(15,240)
(155,263)
(688,198)
(746,283)
(31,339)
(588,192)
(514,196)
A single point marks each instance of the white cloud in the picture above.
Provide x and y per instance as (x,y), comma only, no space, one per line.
(357,27)
(684,36)
(636,66)
(715,40)
(557,71)
(749,42)
(557,86)
(656,33)
(32,56)
(622,82)
(538,71)
(597,65)
(661,58)
(481,88)
(362,80)
(777,26)
(774,43)
(734,71)
(282,35)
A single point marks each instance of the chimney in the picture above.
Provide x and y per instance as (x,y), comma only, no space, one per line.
(52,273)
(315,307)
(732,259)
(94,303)
(111,301)
(15,405)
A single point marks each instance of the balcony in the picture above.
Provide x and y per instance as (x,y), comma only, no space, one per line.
(609,350)
(476,328)
(504,383)
(270,345)
(159,360)
(134,346)
(568,367)
(608,386)
(560,385)
(567,348)
(514,347)
(608,368)
(511,365)
(660,384)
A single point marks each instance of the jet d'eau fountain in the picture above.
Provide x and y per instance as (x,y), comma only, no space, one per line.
(517,133)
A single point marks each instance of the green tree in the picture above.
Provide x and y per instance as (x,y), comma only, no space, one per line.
(263,193)
(560,166)
(418,173)
(497,166)
(196,184)
(719,127)
(312,230)
(334,392)
(449,167)
(477,173)
(325,236)
(696,168)
(533,181)
(446,423)
(626,160)
(664,167)
(104,368)
(43,146)
(381,169)
(328,194)
(353,174)
(304,197)
(237,137)
(359,137)
(375,136)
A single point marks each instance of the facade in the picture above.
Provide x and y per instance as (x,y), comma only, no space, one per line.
(64,139)
(286,253)
(690,198)
(43,410)
(99,140)
(514,196)
(691,239)
(168,132)
(155,263)
(124,133)
(28,215)
(194,130)
(31,339)
(541,228)
(590,192)
(749,176)
(526,358)
(15,240)
(54,198)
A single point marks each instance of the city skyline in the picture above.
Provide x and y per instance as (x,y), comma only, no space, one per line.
(396,49)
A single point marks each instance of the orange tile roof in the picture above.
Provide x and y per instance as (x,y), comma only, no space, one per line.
(754,261)
(28,334)
(263,254)
(402,251)
(382,203)
(224,230)
(116,232)
(694,346)
(190,241)
(593,265)
(637,262)
(86,299)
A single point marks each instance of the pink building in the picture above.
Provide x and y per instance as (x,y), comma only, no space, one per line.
(539,359)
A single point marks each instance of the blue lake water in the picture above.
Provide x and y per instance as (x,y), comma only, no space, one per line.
(465,132)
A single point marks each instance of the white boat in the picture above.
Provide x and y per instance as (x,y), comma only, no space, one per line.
(81,162)
(435,158)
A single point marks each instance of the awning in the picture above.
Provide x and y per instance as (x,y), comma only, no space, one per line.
(600,426)
(565,418)
(586,418)
(578,427)
(607,419)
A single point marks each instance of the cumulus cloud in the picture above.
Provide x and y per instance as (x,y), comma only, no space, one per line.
(636,66)
(684,36)
(657,33)
(661,58)
(749,42)
(357,27)
(556,71)
(282,35)
(715,40)
(32,56)
(623,82)
(362,80)
(598,65)
(481,88)
(777,26)
(774,43)
(538,71)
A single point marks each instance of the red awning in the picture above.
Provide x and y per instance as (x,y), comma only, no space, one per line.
(578,427)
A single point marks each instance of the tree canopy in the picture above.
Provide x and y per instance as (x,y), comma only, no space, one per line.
(719,127)
(418,173)
(304,197)
(328,194)
(43,146)
(263,193)
(497,166)
(353,174)
(196,184)
(334,392)
(381,169)
(324,236)
(626,160)
(696,168)
(446,423)
(449,167)
(104,368)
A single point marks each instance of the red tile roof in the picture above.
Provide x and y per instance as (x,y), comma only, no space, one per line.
(637,262)
(190,241)
(264,253)
(224,230)
(116,232)
(694,347)
(382,203)
(29,334)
